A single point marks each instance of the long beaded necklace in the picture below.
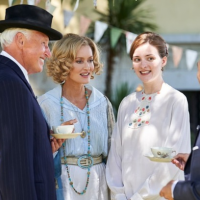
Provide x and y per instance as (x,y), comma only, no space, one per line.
(88,152)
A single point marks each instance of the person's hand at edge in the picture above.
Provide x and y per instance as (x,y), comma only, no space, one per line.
(180,160)
(166,191)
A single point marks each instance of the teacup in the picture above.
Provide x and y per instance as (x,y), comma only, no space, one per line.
(63,129)
(162,152)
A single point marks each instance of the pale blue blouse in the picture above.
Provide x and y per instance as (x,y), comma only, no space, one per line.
(50,104)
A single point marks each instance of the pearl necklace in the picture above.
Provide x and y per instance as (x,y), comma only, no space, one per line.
(88,152)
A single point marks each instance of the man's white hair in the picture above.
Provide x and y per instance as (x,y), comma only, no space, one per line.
(7,36)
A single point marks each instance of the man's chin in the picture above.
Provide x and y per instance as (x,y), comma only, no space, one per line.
(35,71)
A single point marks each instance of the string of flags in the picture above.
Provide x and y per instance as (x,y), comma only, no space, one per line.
(177,52)
(36,2)
(101,27)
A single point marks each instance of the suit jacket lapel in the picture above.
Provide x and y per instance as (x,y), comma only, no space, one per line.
(197,135)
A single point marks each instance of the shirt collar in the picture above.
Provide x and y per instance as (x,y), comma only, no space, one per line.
(3,53)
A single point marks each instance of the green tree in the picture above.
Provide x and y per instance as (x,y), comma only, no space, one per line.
(126,15)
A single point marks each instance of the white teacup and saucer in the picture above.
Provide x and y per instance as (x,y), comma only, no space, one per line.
(64,132)
(161,154)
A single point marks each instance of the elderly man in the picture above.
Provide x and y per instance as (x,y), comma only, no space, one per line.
(190,188)
(26,161)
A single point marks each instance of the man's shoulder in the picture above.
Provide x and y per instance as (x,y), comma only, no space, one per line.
(5,61)
(10,81)
(8,75)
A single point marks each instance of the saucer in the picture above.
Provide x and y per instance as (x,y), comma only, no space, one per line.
(66,135)
(157,159)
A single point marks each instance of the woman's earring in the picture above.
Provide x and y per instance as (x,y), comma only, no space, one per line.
(62,82)
(133,69)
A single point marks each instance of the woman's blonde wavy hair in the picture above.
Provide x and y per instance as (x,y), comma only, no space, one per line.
(64,53)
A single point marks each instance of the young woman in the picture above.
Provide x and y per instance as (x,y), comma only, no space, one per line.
(73,62)
(156,116)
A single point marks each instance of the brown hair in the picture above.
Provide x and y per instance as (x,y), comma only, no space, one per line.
(152,38)
(64,53)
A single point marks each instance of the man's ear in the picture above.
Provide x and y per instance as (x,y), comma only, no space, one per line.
(19,40)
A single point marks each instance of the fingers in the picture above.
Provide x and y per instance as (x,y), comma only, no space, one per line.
(56,144)
(180,155)
(198,72)
(179,161)
(60,142)
(166,191)
(161,194)
(198,64)
(53,146)
(70,122)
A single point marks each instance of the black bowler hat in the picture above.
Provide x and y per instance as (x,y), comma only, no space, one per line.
(29,17)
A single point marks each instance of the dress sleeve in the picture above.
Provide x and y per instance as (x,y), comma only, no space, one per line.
(113,166)
(179,139)
(110,121)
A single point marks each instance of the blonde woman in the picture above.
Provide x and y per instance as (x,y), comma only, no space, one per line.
(73,62)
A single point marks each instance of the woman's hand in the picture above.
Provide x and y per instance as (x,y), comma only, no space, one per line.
(70,122)
(180,160)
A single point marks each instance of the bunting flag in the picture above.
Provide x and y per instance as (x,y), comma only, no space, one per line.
(130,37)
(84,24)
(191,56)
(95,3)
(31,2)
(67,17)
(177,55)
(76,5)
(49,7)
(100,28)
(115,33)
(10,2)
